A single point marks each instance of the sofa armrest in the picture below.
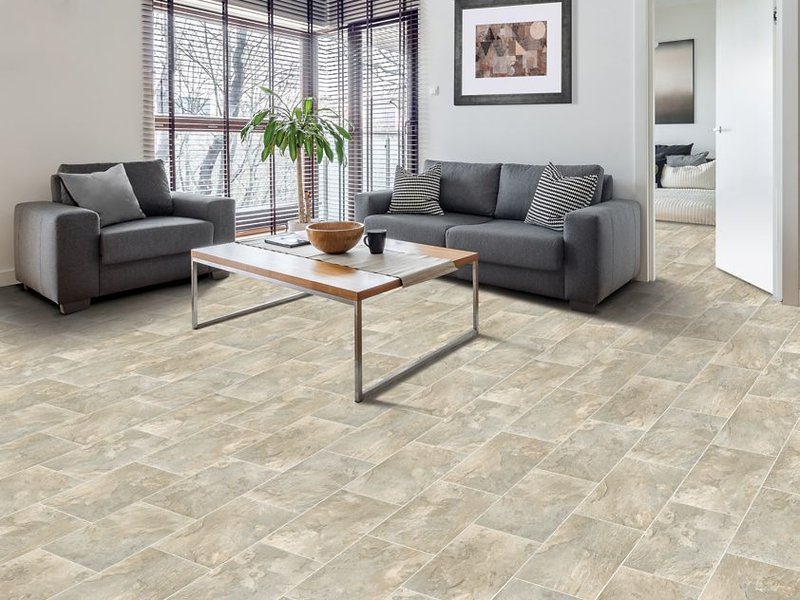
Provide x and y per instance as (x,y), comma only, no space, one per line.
(215,209)
(372,203)
(602,245)
(57,250)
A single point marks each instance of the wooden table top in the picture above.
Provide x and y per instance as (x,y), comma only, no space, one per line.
(319,276)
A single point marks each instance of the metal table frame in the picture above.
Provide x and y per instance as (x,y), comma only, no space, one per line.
(361,393)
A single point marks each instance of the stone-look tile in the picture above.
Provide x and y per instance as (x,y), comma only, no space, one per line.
(203,449)
(752,347)
(633,493)
(449,394)
(309,482)
(198,385)
(653,333)
(720,322)
(470,428)
(210,489)
(516,589)
(607,373)
(629,584)
(792,344)
(592,451)
(117,536)
(293,444)
(760,425)
(554,326)
(106,421)
(477,564)
(557,416)
(225,532)
(582,345)
(744,293)
(640,403)
(108,454)
(27,487)
(29,451)
(103,495)
(149,575)
(694,298)
(29,394)
(91,399)
(283,410)
(537,505)
(342,409)
(785,474)
(775,314)
(769,531)
(384,435)
(194,417)
(581,557)
(38,575)
(684,544)
(502,360)
(32,419)
(430,521)
(678,439)
(371,568)
(405,474)
(500,463)
(717,390)
(259,572)
(738,578)
(33,527)
(682,359)
(322,532)
(530,384)
(724,481)
(273,381)
(781,378)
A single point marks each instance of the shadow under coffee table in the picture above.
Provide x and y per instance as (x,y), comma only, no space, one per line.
(351,286)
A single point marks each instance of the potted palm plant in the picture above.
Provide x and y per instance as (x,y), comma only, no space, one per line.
(301,131)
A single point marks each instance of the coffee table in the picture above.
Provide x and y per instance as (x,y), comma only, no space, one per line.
(342,284)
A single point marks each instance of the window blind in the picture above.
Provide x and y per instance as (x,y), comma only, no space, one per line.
(209,59)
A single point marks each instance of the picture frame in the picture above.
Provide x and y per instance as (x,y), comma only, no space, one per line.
(513,52)
(674,82)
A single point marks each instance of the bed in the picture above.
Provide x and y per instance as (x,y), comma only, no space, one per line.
(686,206)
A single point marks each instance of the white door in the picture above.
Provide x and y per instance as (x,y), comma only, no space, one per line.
(745,150)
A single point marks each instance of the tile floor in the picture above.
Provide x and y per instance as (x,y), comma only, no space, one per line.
(650,451)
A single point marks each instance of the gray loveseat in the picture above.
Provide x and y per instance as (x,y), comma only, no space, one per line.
(485,207)
(62,253)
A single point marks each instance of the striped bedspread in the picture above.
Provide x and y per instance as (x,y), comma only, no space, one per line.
(686,206)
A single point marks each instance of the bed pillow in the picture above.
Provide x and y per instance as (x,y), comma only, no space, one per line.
(699,177)
(692,160)
(663,151)
(417,194)
(556,196)
(108,193)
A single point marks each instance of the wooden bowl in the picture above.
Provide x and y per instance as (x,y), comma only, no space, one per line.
(335,237)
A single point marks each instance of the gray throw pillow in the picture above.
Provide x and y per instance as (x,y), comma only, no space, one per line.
(692,160)
(108,193)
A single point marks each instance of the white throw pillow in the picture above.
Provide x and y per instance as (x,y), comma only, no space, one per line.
(700,177)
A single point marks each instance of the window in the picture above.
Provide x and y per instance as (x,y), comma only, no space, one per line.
(210,58)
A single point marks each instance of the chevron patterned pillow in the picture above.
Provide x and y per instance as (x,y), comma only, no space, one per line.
(417,194)
(556,196)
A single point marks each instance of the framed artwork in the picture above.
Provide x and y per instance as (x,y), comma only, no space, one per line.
(513,52)
(673,78)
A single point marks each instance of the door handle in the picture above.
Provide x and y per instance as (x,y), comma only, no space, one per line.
(718,129)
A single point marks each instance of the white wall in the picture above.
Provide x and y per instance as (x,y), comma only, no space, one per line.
(71,92)
(597,128)
(685,20)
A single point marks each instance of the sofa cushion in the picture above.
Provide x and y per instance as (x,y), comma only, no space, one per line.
(469,188)
(512,243)
(518,184)
(148,179)
(108,193)
(153,237)
(422,229)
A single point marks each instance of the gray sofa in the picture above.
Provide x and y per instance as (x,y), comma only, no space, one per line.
(62,253)
(485,207)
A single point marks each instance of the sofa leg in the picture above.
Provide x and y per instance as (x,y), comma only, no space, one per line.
(72,307)
(585,307)
(218,275)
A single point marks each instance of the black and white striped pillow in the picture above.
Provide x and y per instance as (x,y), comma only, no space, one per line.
(417,194)
(556,196)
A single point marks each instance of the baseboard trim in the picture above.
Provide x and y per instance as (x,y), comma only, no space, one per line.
(7,278)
